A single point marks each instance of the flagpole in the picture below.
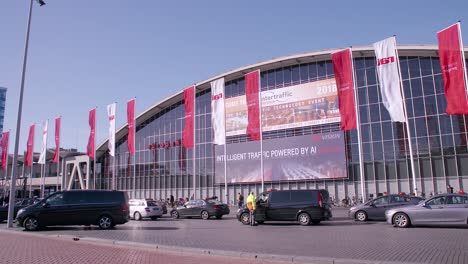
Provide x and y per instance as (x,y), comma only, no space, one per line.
(45,157)
(261,129)
(410,145)
(113,164)
(94,159)
(225,146)
(194,139)
(58,158)
(134,156)
(358,130)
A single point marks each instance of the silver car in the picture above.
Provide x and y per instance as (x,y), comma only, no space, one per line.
(445,209)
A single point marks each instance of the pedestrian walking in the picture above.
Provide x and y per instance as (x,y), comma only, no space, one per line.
(240,200)
(251,204)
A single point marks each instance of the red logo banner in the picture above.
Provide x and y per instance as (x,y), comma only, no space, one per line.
(253,104)
(342,66)
(131,126)
(189,101)
(451,65)
(30,147)
(5,137)
(55,159)
(92,125)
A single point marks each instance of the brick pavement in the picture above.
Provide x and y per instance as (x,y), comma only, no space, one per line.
(341,239)
(21,248)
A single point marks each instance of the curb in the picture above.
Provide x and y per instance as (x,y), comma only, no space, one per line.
(206,252)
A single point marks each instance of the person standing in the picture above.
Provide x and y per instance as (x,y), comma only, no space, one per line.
(240,200)
(251,204)
(172,200)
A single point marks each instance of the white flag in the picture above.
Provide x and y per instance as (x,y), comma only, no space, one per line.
(389,78)
(217,111)
(111,115)
(42,157)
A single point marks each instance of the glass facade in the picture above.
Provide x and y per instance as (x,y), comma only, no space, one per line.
(3,92)
(439,141)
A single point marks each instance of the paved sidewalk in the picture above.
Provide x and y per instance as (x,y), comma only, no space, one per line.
(19,248)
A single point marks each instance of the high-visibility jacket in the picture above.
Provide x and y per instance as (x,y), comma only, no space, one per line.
(251,202)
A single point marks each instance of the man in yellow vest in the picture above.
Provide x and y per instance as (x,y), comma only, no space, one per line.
(252,206)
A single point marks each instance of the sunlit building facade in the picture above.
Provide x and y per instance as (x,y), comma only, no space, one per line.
(164,167)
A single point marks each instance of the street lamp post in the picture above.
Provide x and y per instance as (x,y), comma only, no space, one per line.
(14,170)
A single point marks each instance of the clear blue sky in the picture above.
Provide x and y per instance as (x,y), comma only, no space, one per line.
(91,53)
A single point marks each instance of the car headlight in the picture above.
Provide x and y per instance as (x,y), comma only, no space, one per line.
(20,211)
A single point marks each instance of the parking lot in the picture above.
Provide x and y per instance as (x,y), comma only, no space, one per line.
(341,238)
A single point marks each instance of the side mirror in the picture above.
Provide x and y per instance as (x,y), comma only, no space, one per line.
(46,205)
(423,205)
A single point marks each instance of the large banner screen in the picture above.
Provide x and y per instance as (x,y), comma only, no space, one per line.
(310,157)
(299,105)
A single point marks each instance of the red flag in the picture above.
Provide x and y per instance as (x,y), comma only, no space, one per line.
(343,69)
(451,65)
(189,101)
(5,136)
(253,104)
(131,126)
(30,147)
(55,159)
(92,125)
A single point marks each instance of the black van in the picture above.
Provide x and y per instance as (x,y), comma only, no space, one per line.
(77,207)
(304,206)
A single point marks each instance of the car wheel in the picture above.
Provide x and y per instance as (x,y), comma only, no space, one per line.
(219,216)
(245,218)
(205,215)
(361,216)
(105,222)
(175,214)
(304,219)
(401,220)
(31,224)
(137,216)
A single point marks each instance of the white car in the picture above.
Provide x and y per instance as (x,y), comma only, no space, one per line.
(140,208)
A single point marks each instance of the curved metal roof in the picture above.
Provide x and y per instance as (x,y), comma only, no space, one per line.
(321,55)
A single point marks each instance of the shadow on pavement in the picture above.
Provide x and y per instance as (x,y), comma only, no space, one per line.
(94,228)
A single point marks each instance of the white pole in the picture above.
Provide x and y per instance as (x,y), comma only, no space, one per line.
(410,145)
(31,177)
(194,139)
(58,158)
(113,164)
(261,130)
(225,146)
(134,147)
(42,180)
(18,124)
(358,130)
(94,159)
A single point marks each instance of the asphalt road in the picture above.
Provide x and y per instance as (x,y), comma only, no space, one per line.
(341,238)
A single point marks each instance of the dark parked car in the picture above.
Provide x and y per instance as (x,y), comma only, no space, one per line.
(305,206)
(375,209)
(201,208)
(78,207)
(19,204)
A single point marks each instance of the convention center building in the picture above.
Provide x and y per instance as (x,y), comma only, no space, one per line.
(303,145)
